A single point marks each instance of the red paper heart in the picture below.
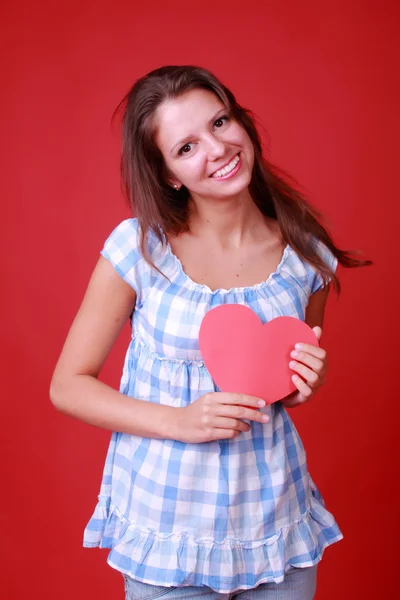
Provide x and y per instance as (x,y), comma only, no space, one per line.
(242,355)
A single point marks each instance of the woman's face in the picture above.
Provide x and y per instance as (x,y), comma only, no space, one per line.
(203,148)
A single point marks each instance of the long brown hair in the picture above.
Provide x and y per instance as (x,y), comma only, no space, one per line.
(162,209)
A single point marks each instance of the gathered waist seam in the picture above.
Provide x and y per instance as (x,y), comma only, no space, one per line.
(137,338)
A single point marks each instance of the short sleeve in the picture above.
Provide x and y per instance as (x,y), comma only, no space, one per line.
(317,281)
(122,250)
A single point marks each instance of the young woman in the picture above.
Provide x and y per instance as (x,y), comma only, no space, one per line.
(203,494)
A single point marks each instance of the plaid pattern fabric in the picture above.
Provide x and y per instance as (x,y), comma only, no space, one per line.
(228,514)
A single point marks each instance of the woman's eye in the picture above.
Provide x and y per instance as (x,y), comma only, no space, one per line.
(185,149)
(219,122)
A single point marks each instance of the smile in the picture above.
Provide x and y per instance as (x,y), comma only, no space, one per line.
(228,170)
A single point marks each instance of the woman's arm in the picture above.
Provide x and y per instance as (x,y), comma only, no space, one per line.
(75,389)
(315,310)
(310,362)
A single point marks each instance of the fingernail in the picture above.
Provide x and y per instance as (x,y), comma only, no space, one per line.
(261,403)
(265,418)
(292,364)
(298,346)
(294,353)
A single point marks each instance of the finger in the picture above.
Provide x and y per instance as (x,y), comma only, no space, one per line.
(318,332)
(227,423)
(242,399)
(244,413)
(315,364)
(303,388)
(309,375)
(225,434)
(293,400)
(310,349)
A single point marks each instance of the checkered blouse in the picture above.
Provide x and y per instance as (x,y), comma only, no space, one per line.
(228,514)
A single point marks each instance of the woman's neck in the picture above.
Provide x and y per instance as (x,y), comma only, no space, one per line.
(229,221)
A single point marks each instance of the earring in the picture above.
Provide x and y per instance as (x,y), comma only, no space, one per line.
(176,187)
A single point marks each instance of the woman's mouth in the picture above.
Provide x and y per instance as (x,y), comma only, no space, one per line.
(229,170)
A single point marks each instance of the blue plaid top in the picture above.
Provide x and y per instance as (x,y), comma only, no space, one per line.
(227,514)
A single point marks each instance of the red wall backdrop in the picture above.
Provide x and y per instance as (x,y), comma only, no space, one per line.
(324,80)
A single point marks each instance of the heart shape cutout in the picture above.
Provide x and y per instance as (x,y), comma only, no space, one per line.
(246,356)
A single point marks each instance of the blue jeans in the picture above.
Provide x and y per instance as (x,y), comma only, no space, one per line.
(299,584)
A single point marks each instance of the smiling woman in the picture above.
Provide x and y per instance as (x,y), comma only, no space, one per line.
(181,129)
(202,492)
(219,150)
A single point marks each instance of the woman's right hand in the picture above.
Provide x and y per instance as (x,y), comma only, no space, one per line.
(218,416)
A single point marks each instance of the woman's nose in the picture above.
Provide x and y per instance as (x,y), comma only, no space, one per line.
(214,147)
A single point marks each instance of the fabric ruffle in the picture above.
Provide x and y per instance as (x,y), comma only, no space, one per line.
(224,567)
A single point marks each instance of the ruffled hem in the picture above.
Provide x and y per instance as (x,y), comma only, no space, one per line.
(180,560)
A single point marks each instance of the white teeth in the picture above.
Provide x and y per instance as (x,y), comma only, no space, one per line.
(228,168)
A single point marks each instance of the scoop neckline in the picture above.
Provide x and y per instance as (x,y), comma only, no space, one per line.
(205,288)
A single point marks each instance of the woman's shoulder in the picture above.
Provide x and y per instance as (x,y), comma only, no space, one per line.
(305,272)
(126,239)
(123,249)
(123,243)
(128,229)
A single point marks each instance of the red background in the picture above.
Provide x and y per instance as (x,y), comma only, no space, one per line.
(324,80)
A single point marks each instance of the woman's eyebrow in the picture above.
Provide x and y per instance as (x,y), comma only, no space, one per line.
(190,136)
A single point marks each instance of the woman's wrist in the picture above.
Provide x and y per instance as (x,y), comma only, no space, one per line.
(170,423)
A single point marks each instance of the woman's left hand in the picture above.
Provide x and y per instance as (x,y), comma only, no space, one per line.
(310,365)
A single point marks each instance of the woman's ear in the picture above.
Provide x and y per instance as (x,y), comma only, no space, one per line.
(175,184)
(170,179)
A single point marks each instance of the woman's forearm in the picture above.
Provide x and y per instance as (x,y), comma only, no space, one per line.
(88,399)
